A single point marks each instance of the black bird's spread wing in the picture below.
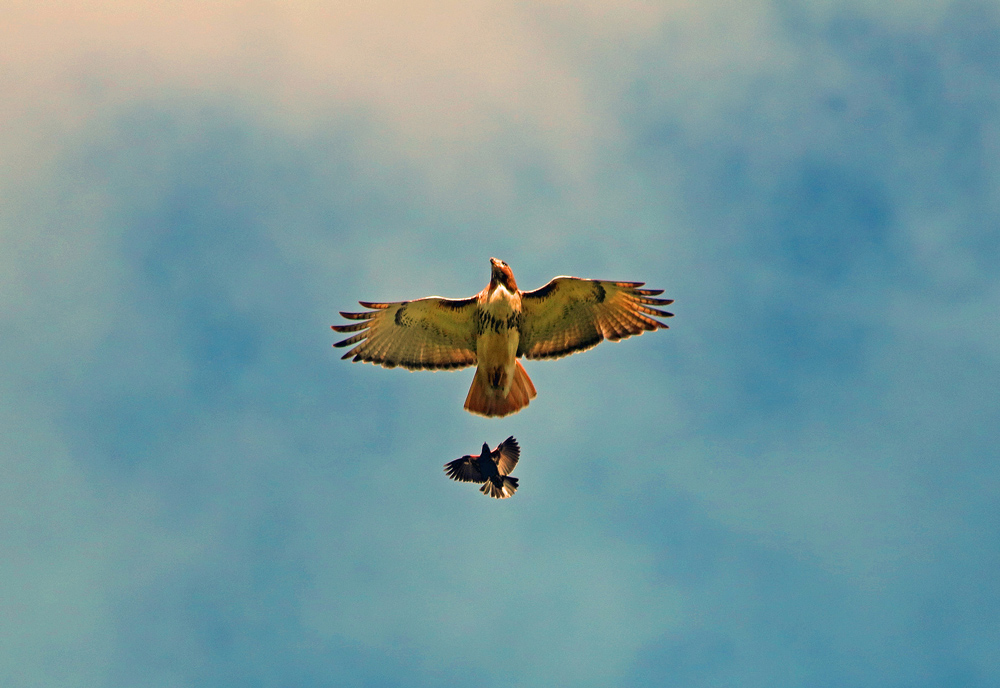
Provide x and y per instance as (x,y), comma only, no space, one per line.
(506,455)
(464,470)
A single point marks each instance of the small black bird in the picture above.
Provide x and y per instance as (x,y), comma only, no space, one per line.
(491,468)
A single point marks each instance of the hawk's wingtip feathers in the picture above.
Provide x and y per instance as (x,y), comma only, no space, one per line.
(353,327)
(351,340)
(655,311)
(357,316)
(655,302)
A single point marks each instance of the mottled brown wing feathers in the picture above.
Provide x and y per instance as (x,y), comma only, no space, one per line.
(430,333)
(570,314)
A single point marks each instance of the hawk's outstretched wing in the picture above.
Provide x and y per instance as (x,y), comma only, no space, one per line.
(464,470)
(433,333)
(509,453)
(570,314)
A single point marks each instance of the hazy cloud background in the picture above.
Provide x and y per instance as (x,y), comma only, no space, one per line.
(794,485)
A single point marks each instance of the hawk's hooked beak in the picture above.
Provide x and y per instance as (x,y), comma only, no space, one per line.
(501,274)
(496,272)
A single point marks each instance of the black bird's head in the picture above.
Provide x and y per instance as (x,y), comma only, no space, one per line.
(501,274)
(486,450)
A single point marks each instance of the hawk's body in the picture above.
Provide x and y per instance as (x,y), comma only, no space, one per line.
(498,369)
(492,468)
(497,326)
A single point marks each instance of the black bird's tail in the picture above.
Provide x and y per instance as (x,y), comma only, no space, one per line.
(500,486)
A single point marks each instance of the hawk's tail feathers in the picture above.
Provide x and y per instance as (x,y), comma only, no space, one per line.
(482,402)
(500,487)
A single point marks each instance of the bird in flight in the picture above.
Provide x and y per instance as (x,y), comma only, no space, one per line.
(500,324)
(492,468)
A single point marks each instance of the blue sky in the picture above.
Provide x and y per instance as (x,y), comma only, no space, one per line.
(794,485)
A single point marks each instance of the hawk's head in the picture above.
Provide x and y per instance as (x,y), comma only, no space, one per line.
(501,274)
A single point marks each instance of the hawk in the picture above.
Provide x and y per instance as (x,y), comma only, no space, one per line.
(500,324)
(492,468)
